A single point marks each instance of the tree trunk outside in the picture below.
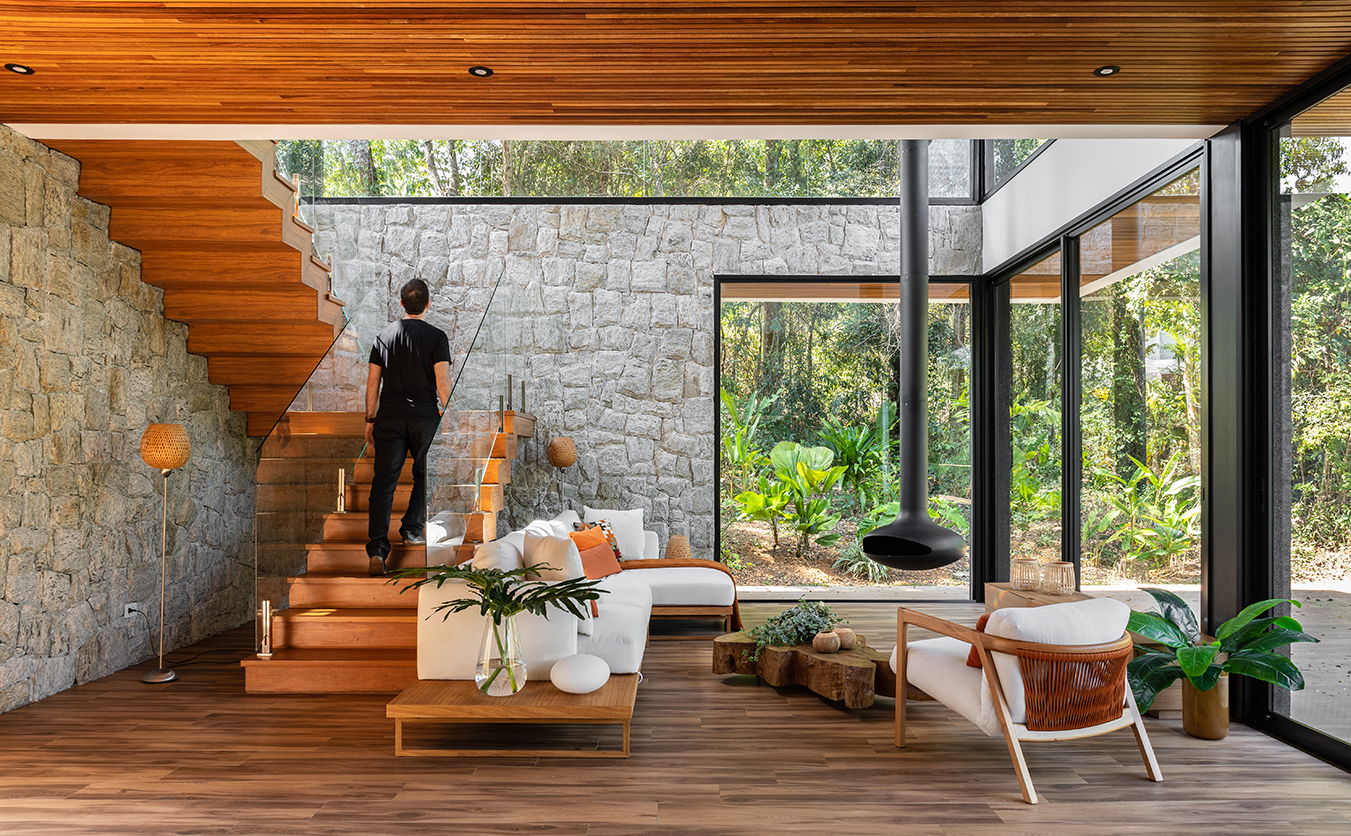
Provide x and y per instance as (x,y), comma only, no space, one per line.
(1128,385)
(368,179)
(506,168)
(429,154)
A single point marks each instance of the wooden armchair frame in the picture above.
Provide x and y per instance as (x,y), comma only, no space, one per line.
(985,644)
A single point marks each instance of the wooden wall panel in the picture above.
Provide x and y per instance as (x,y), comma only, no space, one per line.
(603,62)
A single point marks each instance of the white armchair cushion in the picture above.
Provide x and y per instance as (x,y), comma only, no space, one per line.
(938,668)
(448,649)
(626,525)
(1094,621)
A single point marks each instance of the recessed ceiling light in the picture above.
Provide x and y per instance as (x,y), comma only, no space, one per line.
(481,72)
(20,69)
(1103,72)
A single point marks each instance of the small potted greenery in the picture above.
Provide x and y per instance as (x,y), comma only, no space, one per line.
(500,595)
(1244,644)
(796,625)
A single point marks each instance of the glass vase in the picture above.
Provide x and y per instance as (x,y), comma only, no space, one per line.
(501,666)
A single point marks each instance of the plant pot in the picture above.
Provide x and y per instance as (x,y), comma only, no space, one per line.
(1205,714)
(501,666)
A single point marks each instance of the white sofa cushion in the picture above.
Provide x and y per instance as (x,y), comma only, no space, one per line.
(558,553)
(499,554)
(651,547)
(448,649)
(620,636)
(626,525)
(568,518)
(690,586)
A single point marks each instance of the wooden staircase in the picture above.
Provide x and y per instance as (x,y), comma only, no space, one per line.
(216,228)
(346,632)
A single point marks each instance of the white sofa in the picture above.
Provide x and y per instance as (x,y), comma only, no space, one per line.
(448,648)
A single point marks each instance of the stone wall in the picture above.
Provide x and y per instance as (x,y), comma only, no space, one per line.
(606,311)
(87,360)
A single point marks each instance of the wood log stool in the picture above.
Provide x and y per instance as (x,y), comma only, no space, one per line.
(851,676)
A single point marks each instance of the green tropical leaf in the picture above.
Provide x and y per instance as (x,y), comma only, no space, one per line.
(1156,627)
(1268,667)
(1195,660)
(1149,674)
(1279,637)
(1208,678)
(1249,613)
(1176,610)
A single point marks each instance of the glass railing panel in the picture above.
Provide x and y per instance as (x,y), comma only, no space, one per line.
(469,465)
(304,482)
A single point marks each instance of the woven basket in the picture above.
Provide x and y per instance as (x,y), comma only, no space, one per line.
(165,446)
(562,452)
(678,548)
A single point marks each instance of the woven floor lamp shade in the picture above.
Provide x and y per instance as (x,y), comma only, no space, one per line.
(562,452)
(165,446)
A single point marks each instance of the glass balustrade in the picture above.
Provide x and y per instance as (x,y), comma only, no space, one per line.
(315,468)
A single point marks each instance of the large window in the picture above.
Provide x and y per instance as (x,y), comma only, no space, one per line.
(1312,405)
(1140,384)
(812,366)
(772,168)
(1038,366)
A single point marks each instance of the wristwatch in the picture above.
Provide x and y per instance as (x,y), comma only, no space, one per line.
(370,420)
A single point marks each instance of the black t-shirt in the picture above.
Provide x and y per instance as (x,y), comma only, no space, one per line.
(408,350)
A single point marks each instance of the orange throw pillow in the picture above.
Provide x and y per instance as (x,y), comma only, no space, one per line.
(589,538)
(973,658)
(599,561)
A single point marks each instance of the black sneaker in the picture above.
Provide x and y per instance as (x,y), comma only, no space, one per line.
(415,539)
(377,569)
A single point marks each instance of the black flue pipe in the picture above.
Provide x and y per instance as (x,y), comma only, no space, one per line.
(912,541)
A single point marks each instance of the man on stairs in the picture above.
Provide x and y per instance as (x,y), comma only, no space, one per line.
(407,387)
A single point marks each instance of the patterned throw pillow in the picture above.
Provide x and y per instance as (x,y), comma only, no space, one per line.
(605,529)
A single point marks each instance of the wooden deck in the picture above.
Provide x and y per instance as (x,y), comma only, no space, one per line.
(710,755)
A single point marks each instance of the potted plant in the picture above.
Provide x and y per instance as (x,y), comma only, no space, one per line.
(500,595)
(1244,644)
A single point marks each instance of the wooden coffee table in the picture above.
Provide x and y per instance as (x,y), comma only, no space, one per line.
(459,701)
(852,676)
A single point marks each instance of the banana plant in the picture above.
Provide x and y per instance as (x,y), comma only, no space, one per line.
(1243,645)
(769,504)
(810,474)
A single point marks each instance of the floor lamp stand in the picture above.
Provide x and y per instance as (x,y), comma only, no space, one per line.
(162,674)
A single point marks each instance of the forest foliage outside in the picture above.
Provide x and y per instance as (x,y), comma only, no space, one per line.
(700,168)
(808,432)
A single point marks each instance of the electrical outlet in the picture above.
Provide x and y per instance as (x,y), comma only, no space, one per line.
(130,609)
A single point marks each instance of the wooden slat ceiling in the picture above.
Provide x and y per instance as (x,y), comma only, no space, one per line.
(669,62)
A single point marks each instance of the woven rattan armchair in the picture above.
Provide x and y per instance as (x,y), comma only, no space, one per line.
(1033,692)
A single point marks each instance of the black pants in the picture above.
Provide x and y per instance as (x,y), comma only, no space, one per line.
(395,440)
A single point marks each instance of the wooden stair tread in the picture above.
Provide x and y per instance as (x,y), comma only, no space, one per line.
(346,614)
(342,656)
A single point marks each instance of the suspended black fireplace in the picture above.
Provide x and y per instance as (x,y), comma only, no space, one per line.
(912,541)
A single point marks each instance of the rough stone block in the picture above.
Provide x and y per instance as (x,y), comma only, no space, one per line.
(649,276)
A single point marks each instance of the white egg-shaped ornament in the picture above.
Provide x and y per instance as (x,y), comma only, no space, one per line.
(580,674)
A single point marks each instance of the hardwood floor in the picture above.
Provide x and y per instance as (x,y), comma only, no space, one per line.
(711,755)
